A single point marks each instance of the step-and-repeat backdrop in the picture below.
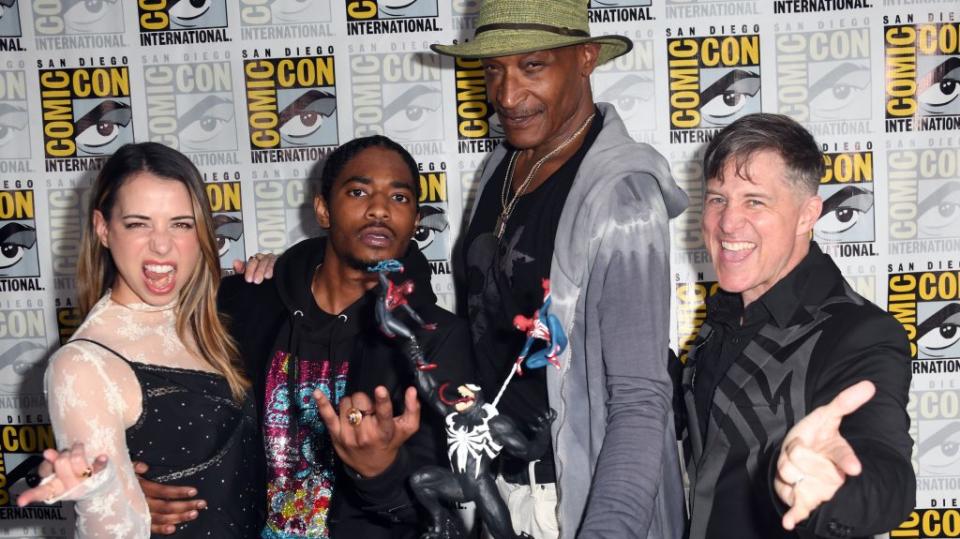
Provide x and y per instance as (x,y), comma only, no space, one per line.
(257,92)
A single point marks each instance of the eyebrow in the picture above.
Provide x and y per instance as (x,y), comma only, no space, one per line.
(396,184)
(147,218)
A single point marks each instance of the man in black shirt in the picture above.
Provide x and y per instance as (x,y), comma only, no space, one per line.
(571,197)
(796,389)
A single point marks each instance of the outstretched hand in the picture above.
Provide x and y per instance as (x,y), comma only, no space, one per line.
(69,467)
(815,459)
(369,446)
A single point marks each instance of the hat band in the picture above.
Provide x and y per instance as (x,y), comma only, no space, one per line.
(532,26)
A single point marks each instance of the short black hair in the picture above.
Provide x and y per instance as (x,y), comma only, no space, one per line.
(758,132)
(341,156)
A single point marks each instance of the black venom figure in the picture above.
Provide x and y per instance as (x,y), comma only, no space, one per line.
(476,434)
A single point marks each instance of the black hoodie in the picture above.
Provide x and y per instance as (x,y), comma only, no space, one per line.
(345,353)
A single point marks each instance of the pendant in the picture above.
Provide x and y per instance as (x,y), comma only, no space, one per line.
(501,226)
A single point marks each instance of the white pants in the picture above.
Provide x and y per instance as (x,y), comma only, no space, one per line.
(533,507)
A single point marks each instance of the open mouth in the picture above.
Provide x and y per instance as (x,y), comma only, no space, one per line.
(376,236)
(160,278)
(735,251)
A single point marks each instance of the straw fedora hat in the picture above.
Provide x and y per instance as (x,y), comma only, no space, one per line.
(506,27)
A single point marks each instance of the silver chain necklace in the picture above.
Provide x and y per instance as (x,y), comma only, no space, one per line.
(508,207)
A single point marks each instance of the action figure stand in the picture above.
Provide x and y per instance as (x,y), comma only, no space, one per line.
(476,432)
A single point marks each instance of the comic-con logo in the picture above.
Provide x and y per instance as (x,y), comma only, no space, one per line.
(478,126)
(927,304)
(284,212)
(464,14)
(65,207)
(934,523)
(76,24)
(922,72)
(934,409)
(603,11)
(23,349)
(86,114)
(182,22)
(823,79)
(190,106)
(713,81)
(687,168)
(10,30)
(691,312)
(432,232)
(14,120)
(21,449)
(627,82)
(923,187)
(391,16)
(846,223)
(68,319)
(18,233)
(291,107)
(227,209)
(263,20)
(397,95)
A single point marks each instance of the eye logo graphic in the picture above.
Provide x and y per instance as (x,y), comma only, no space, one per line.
(303,118)
(18,235)
(433,223)
(182,15)
(632,94)
(360,10)
(207,125)
(10,19)
(77,17)
(407,112)
(938,88)
(102,126)
(21,368)
(14,116)
(847,214)
(842,93)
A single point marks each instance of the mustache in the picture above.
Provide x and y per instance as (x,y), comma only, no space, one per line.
(378,224)
(513,113)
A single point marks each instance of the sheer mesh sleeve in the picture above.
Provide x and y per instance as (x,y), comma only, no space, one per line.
(93,398)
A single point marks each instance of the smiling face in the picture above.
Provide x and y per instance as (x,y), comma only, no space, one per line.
(371,211)
(152,237)
(756,225)
(542,97)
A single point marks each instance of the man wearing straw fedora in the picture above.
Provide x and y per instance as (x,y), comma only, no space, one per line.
(571,197)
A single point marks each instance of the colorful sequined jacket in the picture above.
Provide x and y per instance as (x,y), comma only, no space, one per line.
(310,493)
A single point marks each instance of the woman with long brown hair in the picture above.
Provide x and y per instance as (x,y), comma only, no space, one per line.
(151,373)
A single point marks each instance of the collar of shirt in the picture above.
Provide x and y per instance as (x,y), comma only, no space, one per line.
(786,302)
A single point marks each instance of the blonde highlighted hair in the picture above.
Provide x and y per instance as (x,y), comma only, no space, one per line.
(197,318)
